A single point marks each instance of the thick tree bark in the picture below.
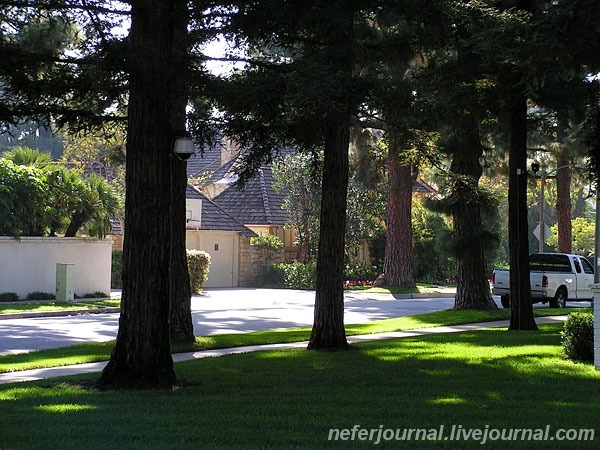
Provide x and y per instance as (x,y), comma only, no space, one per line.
(328,331)
(472,287)
(180,315)
(521,308)
(397,265)
(141,356)
(563,189)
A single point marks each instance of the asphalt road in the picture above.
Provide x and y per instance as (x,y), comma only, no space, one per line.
(217,311)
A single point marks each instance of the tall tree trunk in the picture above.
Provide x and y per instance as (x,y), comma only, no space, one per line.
(472,287)
(563,188)
(328,331)
(397,265)
(180,315)
(521,308)
(141,356)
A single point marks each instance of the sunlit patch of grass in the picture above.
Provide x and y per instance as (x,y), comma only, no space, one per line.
(63,408)
(63,356)
(453,400)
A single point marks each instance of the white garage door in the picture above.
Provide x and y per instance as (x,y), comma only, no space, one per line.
(223,256)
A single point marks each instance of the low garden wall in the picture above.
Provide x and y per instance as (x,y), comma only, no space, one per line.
(29,265)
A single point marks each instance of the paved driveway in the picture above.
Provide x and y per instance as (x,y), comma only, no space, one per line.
(216,311)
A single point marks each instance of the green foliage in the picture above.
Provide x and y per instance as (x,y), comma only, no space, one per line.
(97,294)
(361,273)
(578,336)
(198,266)
(24,200)
(116,274)
(583,230)
(8,297)
(294,275)
(298,177)
(461,191)
(25,156)
(39,295)
(43,199)
(267,241)
(297,275)
(431,261)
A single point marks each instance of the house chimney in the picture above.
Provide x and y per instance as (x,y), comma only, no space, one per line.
(229,150)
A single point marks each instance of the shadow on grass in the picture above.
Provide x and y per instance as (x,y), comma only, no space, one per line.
(291,399)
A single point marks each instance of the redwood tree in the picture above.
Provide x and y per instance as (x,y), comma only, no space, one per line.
(397,266)
(142,353)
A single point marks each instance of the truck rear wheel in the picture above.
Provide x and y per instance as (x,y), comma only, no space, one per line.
(505,300)
(560,299)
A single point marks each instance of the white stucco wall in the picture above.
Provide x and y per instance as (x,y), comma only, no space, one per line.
(29,265)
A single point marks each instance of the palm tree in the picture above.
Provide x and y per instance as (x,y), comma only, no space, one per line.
(95,202)
(25,156)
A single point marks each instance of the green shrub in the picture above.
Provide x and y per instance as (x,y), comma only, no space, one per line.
(360,273)
(9,297)
(38,295)
(299,276)
(294,275)
(266,240)
(96,294)
(116,275)
(198,267)
(270,276)
(578,336)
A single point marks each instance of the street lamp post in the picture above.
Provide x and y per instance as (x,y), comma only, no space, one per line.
(535,167)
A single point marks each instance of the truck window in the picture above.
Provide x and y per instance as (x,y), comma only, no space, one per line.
(577,266)
(587,267)
(550,262)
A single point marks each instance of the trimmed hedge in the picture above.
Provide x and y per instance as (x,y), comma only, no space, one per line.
(198,267)
(9,297)
(578,336)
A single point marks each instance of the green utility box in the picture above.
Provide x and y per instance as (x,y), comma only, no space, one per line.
(64,282)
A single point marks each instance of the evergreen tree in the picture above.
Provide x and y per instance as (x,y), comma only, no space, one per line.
(90,84)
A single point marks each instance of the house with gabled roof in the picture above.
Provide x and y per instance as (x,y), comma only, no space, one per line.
(228,217)
(212,229)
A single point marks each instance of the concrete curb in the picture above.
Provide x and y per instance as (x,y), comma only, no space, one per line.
(40,374)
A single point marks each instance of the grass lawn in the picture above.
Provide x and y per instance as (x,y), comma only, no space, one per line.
(92,352)
(419,289)
(45,306)
(291,399)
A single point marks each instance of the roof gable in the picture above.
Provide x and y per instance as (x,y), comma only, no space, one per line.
(215,218)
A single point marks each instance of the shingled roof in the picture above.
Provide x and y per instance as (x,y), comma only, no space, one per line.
(215,218)
(257,204)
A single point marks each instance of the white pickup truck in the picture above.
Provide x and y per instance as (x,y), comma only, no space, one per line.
(554,277)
